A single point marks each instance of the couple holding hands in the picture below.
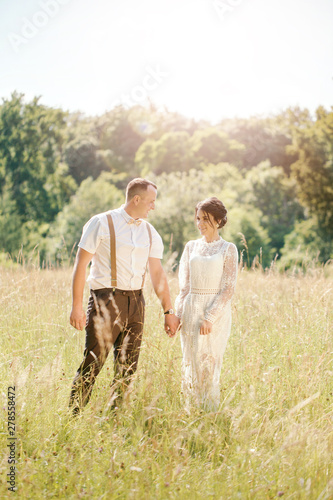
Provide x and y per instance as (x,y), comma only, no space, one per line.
(121,245)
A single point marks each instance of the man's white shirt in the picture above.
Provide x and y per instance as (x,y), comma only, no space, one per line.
(132,249)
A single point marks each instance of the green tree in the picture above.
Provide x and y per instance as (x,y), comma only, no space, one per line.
(252,240)
(84,159)
(10,224)
(31,139)
(263,139)
(152,123)
(313,170)
(119,139)
(274,194)
(213,146)
(171,153)
(227,182)
(92,197)
(306,243)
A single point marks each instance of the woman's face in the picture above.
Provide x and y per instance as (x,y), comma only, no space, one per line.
(206,225)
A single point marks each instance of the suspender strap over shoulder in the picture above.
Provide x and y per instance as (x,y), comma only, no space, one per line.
(112,252)
(150,243)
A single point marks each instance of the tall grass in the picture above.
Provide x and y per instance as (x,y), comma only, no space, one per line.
(272,435)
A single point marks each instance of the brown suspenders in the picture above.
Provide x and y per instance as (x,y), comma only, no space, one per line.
(113,252)
(150,243)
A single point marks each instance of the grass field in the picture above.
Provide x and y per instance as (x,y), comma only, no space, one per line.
(272,436)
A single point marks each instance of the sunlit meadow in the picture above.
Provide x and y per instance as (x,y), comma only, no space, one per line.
(272,436)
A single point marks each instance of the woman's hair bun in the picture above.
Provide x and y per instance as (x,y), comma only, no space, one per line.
(215,208)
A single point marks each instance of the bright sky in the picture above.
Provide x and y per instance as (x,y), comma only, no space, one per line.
(204,58)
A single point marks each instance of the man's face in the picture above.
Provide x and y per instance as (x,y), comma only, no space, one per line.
(146,202)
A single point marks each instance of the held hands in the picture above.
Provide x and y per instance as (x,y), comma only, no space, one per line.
(206,327)
(171,324)
(77,318)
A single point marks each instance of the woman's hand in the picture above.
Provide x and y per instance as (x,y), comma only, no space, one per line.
(179,324)
(206,327)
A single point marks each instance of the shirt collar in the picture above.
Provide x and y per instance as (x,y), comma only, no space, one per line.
(127,217)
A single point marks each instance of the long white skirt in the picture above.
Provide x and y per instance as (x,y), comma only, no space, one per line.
(202,354)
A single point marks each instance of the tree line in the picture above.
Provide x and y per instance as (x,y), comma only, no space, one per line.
(273,173)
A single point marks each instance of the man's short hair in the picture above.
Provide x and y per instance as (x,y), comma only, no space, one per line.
(137,186)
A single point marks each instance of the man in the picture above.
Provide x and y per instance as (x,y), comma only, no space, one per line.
(115,314)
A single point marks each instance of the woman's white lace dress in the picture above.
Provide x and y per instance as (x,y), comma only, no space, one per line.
(207,279)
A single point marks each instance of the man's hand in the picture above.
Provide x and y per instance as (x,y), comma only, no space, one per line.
(78,318)
(206,327)
(171,324)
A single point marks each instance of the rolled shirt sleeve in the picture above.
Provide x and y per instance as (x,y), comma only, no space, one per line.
(157,246)
(91,235)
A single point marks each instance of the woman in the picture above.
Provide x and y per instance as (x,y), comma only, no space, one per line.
(207,278)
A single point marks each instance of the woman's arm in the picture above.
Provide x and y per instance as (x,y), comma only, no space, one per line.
(229,279)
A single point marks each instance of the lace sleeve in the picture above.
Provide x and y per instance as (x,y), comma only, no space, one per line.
(184,281)
(229,278)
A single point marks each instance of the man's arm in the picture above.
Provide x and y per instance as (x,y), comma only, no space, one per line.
(78,316)
(161,287)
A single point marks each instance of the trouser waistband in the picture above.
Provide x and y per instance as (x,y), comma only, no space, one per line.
(117,291)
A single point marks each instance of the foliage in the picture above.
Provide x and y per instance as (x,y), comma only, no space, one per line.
(213,146)
(305,243)
(313,169)
(178,194)
(92,197)
(10,223)
(171,153)
(84,160)
(119,138)
(262,139)
(274,194)
(151,123)
(278,170)
(252,240)
(30,154)
(227,182)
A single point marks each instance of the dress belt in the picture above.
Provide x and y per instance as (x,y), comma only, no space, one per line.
(205,291)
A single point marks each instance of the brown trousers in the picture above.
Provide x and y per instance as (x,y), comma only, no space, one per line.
(114,319)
